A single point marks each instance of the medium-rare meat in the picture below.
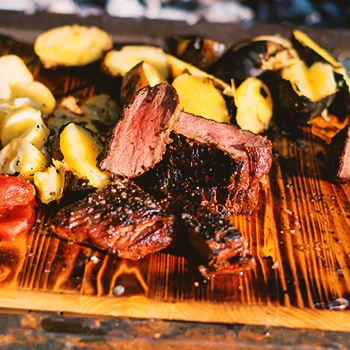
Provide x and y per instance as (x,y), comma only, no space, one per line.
(220,244)
(139,139)
(120,219)
(339,155)
(211,162)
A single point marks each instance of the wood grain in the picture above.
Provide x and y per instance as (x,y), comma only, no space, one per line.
(299,237)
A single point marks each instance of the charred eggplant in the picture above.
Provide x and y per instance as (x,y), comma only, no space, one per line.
(253,57)
(311,52)
(200,52)
(306,92)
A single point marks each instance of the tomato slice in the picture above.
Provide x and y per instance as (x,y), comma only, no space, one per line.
(16,221)
(17,206)
(15,191)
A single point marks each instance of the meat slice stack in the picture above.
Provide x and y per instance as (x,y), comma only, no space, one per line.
(121,219)
(200,169)
(211,162)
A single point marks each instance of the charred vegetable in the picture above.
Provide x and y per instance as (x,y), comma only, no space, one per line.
(253,57)
(304,92)
(72,45)
(199,96)
(253,106)
(200,52)
(311,52)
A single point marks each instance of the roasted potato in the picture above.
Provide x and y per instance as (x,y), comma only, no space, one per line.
(19,156)
(72,45)
(143,74)
(253,106)
(78,150)
(118,62)
(199,96)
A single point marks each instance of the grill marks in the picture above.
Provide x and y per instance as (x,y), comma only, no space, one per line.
(121,219)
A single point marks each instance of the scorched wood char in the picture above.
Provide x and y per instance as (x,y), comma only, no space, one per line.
(139,139)
(211,162)
(121,219)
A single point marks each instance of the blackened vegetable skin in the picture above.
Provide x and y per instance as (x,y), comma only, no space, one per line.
(253,57)
(121,219)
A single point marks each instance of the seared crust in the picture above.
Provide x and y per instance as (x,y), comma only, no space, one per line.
(121,219)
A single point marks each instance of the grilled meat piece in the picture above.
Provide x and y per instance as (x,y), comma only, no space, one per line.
(212,162)
(220,244)
(121,219)
(139,139)
(339,155)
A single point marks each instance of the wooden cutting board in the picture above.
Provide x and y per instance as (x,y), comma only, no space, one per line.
(299,236)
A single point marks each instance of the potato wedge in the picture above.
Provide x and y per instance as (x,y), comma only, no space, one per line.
(26,123)
(5,91)
(80,148)
(143,74)
(178,67)
(199,96)
(72,45)
(254,106)
(21,157)
(50,184)
(14,71)
(38,93)
(119,62)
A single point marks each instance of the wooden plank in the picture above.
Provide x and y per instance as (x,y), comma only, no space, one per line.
(298,236)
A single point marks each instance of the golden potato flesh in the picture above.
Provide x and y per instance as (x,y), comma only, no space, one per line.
(50,184)
(199,96)
(80,148)
(38,93)
(14,71)
(119,62)
(143,74)
(254,105)
(26,123)
(20,156)
(72,45)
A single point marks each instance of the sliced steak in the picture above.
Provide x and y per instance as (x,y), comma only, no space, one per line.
(121,219)
(220,244)
(139,139)
(211,162)
(339,155)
